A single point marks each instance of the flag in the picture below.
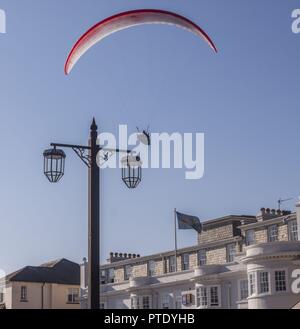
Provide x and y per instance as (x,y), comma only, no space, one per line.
(186,222)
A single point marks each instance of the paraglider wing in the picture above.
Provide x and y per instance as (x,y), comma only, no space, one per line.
(128,19)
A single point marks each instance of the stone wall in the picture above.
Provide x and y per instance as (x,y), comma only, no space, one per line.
(216,256)
(216,234)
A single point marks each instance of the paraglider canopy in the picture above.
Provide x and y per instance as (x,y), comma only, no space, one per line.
(128,19)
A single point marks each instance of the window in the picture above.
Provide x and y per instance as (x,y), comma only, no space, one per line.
(23,294)
(252,285)
(187,299)
(273,233)
(111,275)
(201,257)
(208,296)
(244,289)
(135,303)
(73,296)
(263,282)
(293,230)
(151,268)
(179,302)
(185,262)
(214,296)
(127,272)
(250,237)
(103,277)
(172,264)
(231,252)
(165,302)
(202,300)
(1,295)
(280,281)
(146,302)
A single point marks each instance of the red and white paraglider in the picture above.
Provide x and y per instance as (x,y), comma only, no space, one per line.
(128,19)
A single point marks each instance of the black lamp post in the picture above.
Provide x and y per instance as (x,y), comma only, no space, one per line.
(54,165)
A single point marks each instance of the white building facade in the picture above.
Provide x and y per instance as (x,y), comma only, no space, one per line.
(240,262)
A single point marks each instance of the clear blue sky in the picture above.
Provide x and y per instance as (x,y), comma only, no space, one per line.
(245,99)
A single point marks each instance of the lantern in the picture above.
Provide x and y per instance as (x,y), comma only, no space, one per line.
(54,164)
(131,171)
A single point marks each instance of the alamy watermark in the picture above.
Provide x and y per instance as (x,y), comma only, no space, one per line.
(296,282)
(2,21)
(296,22)
(176,150)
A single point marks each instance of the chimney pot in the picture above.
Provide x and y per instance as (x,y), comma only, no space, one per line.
(116,254)
(129,255)
(268,210)
(120,255)
(273,212)
(125,255)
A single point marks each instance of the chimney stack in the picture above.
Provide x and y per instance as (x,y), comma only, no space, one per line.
(118,257)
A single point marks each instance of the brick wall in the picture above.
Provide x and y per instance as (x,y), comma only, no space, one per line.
(140,270)
(193,260)
(283,234)
(261,235)
(216,256)
(216,234)
(119,275)
(159,267)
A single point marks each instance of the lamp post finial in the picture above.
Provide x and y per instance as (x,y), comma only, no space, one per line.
(94,125)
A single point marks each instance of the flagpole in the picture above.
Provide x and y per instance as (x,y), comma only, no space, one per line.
(175,229)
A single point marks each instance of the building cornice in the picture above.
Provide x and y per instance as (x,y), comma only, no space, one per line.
(161,256)
(268,222)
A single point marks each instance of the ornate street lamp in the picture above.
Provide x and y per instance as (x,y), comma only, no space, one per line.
(54,164)
(131,171)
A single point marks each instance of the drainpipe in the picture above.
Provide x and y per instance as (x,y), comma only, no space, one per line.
(43,285)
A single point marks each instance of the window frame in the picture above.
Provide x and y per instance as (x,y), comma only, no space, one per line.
(2,295)
(103,276)
(24,294)
(228,252)
(275,282)
(252,284)
(150,270)
(264,282)
(73,292)
(172,265)
(142,303)
(250,242)
(291,232)
(109,278)
(199,258)
(242,289)
(204,297)
(185,266)
(271,236)
(167,299)
(127,274)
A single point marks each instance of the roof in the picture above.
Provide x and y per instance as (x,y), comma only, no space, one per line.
(228,219)
(60,271)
